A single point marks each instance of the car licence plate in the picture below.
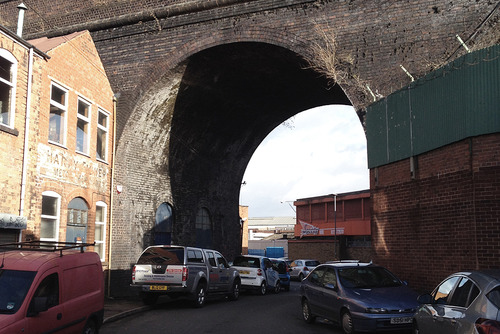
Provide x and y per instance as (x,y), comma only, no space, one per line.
(401,320)
(244,272)
(158,287)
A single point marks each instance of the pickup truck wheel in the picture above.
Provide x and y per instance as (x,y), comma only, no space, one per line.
(263,288)
(235,291)
(199,298)
(149,298)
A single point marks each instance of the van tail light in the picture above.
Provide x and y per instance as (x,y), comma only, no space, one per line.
(184,274)
(259,272)
(306,269)
(487,326)
(133,274)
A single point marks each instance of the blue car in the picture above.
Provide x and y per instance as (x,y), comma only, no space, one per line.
(283,272)
(360,297)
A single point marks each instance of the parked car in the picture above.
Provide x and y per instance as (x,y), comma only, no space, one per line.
(465,302)
(257,273)
(361,297)
(302,268)
(283,272)
(184,271)
(48,287)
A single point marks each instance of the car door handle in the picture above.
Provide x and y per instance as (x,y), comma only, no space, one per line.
(436,318)
(59,316)
(453,320)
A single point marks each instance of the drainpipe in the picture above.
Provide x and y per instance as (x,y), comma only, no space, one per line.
(112,194)
(26,135)
(20,19)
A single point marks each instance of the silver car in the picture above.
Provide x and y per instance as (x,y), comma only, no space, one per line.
(301,268)
(465,302)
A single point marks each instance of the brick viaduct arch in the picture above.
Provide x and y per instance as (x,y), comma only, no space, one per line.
(155,53)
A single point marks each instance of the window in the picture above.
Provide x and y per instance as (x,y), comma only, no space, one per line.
(82,127)
(222,261)
(76,229)
(57,120)
(50,216)
(316,277)
(194,255)
(100,229)
(8,73)
(211,259)
(465,293)
(203,229)
(444,290)
(102,135)
(47,291)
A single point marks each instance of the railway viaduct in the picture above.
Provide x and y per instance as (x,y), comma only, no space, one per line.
(200,83)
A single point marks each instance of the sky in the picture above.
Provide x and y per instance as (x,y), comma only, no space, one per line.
(318,152)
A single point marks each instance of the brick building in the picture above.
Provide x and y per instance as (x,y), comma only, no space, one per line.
(343,220)
(20,65)
(63,190)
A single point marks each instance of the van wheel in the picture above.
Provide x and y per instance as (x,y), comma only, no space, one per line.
(90,327)
(199,298)
(235,291)
(301,277)
(149,298)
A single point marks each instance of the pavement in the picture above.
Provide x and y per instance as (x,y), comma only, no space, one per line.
(119,308)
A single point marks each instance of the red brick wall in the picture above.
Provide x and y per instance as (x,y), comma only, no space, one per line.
(76,66)
(12,140)
(444,220)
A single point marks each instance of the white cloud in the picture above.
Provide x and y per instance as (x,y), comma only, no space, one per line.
(323,152)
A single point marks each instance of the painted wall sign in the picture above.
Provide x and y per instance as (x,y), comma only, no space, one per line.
(309,230)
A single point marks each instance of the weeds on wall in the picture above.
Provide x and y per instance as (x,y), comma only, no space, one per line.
(338,68)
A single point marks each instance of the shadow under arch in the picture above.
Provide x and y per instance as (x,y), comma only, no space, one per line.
(230,98)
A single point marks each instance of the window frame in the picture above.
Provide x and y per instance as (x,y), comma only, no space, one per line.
(64,109)
(56,219)
(105,129)
(8,56)
(102,242)
(87,119)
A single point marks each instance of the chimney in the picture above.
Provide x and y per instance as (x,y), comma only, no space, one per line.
(20,20)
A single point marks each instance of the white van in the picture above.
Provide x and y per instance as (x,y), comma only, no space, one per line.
(50,287)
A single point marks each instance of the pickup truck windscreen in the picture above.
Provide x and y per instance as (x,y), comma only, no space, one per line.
(161,255)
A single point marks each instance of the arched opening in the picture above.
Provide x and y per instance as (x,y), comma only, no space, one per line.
(229,99)
(163,224)
(76,229)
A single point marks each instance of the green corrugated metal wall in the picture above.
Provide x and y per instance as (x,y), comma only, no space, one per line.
(460,100)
